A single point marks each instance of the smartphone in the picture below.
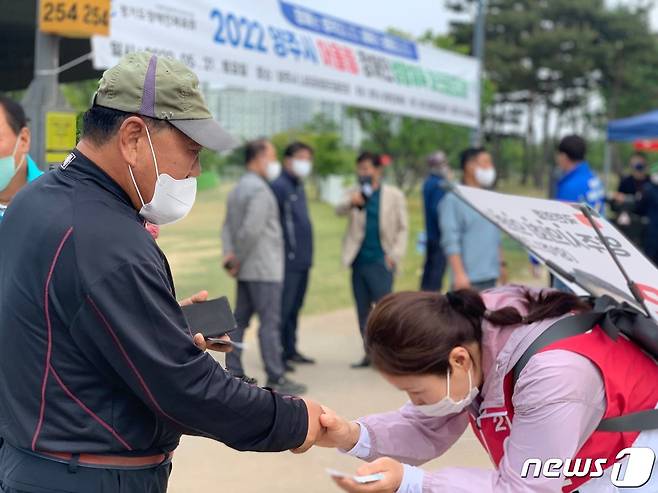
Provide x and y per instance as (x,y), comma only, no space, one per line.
(212,318)
(370,478)
(222,342)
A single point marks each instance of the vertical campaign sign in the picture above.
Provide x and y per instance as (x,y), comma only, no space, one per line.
(282,46)
(561,235)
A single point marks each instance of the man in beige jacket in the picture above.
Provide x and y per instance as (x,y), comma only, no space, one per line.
(376,238)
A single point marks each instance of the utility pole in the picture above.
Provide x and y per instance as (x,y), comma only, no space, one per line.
(478,52)
(42,92)
(52,120)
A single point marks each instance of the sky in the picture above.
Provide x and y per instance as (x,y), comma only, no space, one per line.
(416,17)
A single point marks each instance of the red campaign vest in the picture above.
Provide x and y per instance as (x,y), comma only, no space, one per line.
(629,377)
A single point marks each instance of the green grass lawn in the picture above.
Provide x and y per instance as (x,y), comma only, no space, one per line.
(194,251)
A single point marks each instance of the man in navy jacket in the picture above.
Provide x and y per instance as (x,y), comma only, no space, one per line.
(99,372)
(433,192)
(298,238)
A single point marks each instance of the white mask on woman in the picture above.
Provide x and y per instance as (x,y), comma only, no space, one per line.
(447,405)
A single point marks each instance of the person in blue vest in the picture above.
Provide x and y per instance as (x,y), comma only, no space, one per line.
(433,192)
(17,168)
(577,183)
(298,239)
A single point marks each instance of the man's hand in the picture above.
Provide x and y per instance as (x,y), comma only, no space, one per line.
(536,270)
(461,281)
(393,473)
(231,264)
(199,297)
(504,275)
(619,197)
(357,200)
(340,433)
(315,430)
(201,343)
(199,340)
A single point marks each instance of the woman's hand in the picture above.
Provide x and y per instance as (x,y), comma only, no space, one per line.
(340,433)
(393,472)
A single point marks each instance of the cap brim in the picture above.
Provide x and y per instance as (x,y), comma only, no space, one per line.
(208,133)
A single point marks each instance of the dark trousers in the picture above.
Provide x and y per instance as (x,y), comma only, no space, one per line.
(370,283)
(264,299)
(21,472)
(435,267)
(292,300)
(651,248)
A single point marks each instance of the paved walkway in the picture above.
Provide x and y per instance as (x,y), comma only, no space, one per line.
(202,465)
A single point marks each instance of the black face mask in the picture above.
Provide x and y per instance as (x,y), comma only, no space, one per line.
(365,180)
(639,166)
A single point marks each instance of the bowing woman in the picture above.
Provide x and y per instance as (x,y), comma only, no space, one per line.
(454,357)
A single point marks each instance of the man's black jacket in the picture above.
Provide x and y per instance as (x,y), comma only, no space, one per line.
(95,354)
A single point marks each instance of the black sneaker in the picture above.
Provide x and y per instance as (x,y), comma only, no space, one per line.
(286,386)
(301,359)
(364,363)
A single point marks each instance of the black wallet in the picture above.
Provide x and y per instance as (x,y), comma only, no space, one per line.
(212,318)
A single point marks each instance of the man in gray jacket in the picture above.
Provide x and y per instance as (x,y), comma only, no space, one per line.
(252,242)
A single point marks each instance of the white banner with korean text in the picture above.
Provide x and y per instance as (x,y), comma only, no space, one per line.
(278,46)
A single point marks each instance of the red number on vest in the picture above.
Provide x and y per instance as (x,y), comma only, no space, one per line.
(501,423)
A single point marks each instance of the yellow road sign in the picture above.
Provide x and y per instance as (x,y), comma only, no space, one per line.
(60,134)
(75,18)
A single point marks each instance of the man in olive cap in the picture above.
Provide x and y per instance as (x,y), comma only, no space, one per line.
(99,372)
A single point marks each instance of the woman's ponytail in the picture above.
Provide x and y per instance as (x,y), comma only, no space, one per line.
(414,332)
(469,303)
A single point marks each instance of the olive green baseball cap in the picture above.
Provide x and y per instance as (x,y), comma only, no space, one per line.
(164,89)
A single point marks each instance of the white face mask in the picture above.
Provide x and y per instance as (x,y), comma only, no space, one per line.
(273,170)
(447,406)
(654,178)
(485,176)
(8,168)
(301,167)
(172,199)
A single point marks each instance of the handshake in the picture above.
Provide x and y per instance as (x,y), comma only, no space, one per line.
(327,429)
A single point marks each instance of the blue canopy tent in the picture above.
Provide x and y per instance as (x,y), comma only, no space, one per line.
(644,126)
